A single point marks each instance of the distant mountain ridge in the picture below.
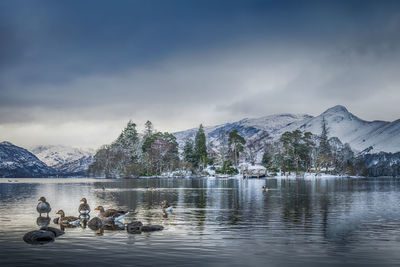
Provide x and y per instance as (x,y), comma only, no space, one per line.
(66,160)
(372,137)
(18,162)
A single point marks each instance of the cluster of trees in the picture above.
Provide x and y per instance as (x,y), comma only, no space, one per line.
(300,152)
(195,151)
(132,154)
(153,153)
(197,154)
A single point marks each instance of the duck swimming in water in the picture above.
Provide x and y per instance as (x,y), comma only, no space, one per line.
(265,189)
(67,219)
(116,215)
(166,207)
(84,208)
(43,206)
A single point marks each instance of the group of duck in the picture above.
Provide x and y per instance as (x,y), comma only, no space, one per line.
(108,215)
(105,215)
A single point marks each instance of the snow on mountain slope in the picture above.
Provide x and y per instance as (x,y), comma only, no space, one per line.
(360,134)
(18,162)
(67,160)
(374,136)
(248,128)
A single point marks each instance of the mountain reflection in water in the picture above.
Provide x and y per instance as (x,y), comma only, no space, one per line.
(215,222)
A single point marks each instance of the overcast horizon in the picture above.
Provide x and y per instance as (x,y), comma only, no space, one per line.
(74,72)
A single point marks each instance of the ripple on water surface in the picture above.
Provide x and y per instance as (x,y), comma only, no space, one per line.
(351,222)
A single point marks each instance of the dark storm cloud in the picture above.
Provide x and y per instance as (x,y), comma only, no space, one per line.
(91,61)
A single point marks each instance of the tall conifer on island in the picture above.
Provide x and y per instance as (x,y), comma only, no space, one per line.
(129,137)
(148,128)
(189,153)
(236,143)
(200,148)
(324,153)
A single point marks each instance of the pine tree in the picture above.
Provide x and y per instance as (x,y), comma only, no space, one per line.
(236,143)
(324,147)
(188,152)
(200,148)
(128,137)
(148,128)
(223,147)
(324,153)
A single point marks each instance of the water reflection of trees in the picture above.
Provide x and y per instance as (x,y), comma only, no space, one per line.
(207,204)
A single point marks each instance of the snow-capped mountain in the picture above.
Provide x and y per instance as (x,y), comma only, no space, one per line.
(362,135)
(18,162)
(371,136)
(66,160)
(248,128)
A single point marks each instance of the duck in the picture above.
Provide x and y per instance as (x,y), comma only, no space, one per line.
(43,206)
(265,189)
(116,215)
(67,219)
(166,207)
(84,207)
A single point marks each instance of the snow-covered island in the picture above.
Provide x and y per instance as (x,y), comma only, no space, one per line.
(335,143)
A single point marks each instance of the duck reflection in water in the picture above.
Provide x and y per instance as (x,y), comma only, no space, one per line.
(43,221)
(84,219)
(98,225)
(115,227)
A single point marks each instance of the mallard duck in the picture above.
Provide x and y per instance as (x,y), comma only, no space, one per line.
(166,207)
(265,189)
(84,207)
(67,219)
(43,206)
(116,215)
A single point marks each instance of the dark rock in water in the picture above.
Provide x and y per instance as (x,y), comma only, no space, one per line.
(39,237)
(56,232)
(95,223)
(43,236)
(137,227)
(151,228)
(134,227)
(56,220)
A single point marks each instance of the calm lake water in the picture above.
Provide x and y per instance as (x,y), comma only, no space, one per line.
(215,222)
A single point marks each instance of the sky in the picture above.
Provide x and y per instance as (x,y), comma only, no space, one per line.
(74,72)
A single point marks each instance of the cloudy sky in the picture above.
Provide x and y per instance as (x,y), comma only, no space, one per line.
(74,72)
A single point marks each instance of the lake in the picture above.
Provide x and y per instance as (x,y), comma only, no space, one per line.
(215,222)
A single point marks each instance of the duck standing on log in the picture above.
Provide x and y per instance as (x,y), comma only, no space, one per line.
(84,208)
(43,206)
(113,214)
